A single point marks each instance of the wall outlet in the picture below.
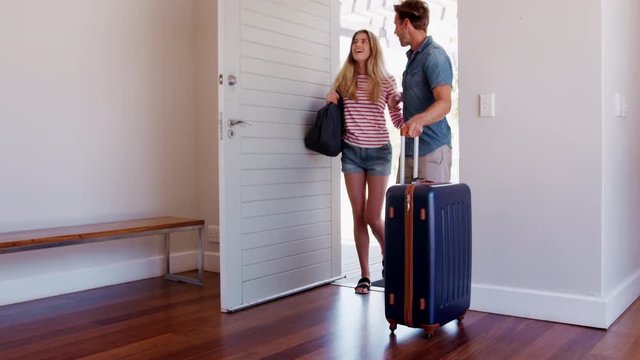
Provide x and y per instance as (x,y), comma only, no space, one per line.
(487,105)
(213,234)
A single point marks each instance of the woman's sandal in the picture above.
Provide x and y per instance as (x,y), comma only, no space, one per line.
(363,286)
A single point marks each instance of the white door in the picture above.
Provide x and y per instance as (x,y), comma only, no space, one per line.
(279,202)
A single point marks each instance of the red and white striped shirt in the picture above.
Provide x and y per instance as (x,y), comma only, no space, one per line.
(364,122)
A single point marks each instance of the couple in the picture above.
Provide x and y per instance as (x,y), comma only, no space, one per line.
(367,89)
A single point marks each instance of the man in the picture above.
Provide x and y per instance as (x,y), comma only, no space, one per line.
(426,84)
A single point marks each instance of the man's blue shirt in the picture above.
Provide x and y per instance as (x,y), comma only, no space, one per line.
(427,68)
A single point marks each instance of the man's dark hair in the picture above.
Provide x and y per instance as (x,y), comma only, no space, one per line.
(416,11)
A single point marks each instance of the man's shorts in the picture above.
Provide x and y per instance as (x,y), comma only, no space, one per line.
(435,166)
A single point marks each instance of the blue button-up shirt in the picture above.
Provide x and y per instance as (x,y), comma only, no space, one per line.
(427,68)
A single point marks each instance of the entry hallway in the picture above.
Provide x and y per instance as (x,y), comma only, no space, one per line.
(157,319)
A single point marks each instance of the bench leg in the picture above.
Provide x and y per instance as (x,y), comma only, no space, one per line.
(167,253)
(201,236)
(181,278)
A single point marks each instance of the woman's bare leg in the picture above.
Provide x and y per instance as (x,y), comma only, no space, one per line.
(376,191)
(355,183)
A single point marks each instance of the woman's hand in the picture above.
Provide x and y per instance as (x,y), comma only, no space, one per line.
(332,97)
(394,102)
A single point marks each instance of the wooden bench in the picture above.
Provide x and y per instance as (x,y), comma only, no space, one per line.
(71,235)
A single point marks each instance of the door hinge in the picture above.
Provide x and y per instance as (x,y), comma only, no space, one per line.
(221,126)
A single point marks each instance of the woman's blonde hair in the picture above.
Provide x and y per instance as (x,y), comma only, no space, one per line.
(346,80)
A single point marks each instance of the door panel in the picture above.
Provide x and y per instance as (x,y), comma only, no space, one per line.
(287,236)
(279,202)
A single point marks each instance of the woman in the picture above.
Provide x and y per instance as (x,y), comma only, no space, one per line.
(366,88)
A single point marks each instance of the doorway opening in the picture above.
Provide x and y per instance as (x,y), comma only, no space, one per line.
(378,17)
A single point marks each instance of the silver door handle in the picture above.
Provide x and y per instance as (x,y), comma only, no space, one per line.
(234,122)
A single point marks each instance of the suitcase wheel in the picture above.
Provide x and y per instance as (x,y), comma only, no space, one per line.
(462,317)
(431,329)
(392,326)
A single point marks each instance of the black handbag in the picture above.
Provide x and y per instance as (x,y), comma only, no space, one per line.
(325,135)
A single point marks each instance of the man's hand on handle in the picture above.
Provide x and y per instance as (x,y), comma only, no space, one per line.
(411,129)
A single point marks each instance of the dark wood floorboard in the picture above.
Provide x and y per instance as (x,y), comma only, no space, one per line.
(157,319)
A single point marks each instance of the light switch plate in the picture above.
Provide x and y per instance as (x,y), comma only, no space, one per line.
(617,105)
(487,105)
(620,105)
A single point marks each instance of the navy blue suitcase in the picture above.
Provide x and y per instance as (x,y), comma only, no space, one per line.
(427,270)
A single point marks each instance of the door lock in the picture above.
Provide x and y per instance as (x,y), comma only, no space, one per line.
(232,80)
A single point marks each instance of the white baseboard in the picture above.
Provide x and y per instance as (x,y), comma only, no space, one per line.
(595,312)
(212,261)
(622,297)
(52,284)
(540,305)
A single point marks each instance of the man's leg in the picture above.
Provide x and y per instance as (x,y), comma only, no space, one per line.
(436,165)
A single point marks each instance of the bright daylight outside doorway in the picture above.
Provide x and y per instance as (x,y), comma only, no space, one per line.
(377,16)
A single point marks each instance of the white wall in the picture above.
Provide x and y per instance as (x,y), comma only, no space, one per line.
(206,82)
(98,122)
(537,170)
(621,153)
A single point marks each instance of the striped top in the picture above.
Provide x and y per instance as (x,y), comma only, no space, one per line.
(364,122)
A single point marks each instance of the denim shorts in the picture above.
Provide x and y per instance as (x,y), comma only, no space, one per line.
(372,161)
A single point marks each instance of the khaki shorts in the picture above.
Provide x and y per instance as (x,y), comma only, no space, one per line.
(435,166)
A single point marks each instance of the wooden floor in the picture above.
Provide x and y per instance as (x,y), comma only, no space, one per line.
(157,319)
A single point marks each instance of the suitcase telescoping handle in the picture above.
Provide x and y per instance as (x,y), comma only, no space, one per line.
(416,144)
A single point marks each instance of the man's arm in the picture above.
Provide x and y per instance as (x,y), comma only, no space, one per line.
(438,110)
